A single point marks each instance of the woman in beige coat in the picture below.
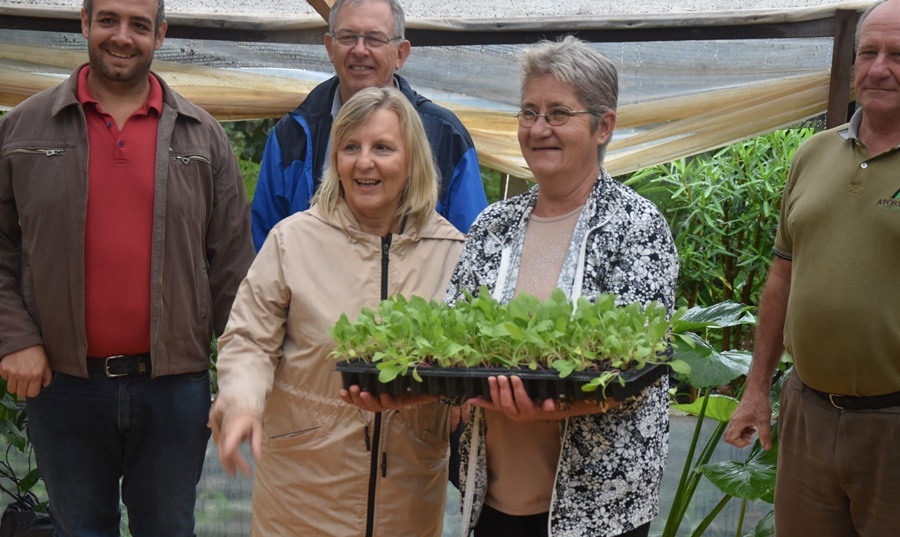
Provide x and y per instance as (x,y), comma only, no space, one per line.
(325,467)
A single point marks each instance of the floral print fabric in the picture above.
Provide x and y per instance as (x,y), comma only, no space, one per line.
(611,465)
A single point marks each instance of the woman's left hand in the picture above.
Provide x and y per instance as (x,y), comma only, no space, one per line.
(381,402)
(508,396)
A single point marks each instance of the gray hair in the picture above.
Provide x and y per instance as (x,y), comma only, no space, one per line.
(862,19)
(88,7)
(576,63)
(396,11)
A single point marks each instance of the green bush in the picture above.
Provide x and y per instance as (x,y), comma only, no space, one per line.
(723,210)
(250,173)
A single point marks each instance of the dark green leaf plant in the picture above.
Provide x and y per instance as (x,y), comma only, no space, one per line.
(749,480)
(19,477)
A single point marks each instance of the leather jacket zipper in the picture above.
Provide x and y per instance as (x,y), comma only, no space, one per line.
(186,159)
(46,151)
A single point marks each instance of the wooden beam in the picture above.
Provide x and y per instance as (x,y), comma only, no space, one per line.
(485,36)
(322,7)
(841,68)
(753,24)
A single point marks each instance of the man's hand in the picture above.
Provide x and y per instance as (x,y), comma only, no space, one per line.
(754,413)
(26,371)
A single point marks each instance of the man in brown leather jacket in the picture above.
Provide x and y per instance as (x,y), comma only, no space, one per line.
(124,233)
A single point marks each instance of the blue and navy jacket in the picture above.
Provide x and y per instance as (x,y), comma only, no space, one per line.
(295,156)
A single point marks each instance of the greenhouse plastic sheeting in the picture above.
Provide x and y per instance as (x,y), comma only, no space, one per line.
(676,98)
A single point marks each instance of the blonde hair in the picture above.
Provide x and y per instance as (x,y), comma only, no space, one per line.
(421,192)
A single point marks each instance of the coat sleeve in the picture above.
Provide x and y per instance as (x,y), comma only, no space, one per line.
(251,346)
(465,196)
(286,177)
(17,328)
(229,249)
(270,200)
(461,197)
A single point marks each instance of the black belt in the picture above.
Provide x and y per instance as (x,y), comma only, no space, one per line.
(120,365)
(852,402)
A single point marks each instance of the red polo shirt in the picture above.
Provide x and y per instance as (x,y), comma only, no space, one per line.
(119,223)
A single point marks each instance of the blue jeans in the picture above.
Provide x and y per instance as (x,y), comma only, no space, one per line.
(150,433)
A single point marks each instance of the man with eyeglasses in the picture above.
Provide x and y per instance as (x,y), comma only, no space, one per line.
(366,45)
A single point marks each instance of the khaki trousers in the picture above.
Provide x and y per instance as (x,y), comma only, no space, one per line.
(838,470)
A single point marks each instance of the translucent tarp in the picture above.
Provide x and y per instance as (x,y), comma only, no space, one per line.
(676,98)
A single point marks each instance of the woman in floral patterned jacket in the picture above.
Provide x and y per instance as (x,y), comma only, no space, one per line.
(538,468)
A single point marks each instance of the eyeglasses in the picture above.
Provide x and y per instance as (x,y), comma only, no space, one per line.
(555,116)
(371,40)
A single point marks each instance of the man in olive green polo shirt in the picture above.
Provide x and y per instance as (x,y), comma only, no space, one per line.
(832,300)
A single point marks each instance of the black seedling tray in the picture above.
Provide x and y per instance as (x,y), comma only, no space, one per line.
(460,383)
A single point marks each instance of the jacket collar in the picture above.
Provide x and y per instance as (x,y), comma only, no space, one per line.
(601,199)
(69,97)
(320,101)
(435,228)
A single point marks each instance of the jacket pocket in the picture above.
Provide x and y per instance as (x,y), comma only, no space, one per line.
(42,173)
(45,151)
(204,295)
(189,187)
(430,426)
(187,159)
(290,439)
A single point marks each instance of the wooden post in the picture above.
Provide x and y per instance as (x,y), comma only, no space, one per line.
(841,68)
(511,186)
(322,7)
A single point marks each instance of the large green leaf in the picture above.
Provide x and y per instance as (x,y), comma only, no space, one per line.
(715,316)
(752,480)
(719,407)
(766,526)
(775,394)
(709,367)
(738,361)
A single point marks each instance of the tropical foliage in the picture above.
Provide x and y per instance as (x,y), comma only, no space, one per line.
(750,479)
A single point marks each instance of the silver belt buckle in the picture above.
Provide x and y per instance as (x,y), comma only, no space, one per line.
(835,405)
(106,367)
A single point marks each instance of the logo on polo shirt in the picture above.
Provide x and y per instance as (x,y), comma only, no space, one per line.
(890,204)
